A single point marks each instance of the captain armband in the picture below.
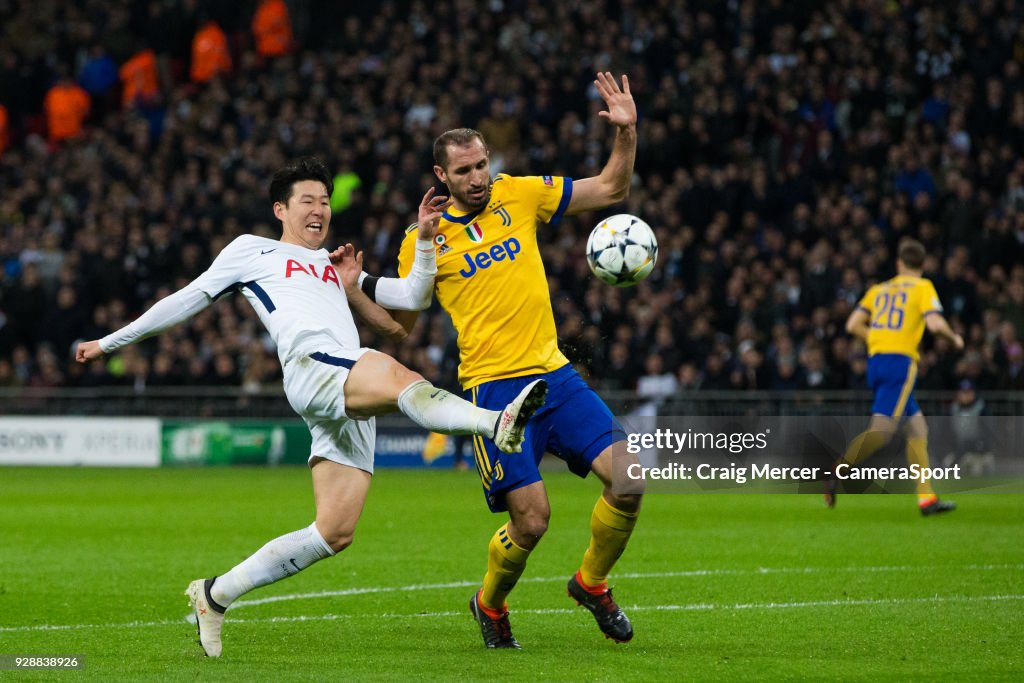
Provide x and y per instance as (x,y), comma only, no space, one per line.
(369,286)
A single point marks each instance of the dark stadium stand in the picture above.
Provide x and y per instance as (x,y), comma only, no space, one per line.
(784,149)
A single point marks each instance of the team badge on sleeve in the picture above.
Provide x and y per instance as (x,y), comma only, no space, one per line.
(548,181)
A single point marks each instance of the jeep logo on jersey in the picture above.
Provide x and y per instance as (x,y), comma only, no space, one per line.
(330,275)
(483,259)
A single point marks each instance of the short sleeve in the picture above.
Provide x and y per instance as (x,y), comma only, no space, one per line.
(929,299)
(551,195)
(227,270)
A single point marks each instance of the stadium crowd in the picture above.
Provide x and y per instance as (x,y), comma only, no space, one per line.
(784,149)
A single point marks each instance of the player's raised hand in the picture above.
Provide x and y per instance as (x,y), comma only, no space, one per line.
(429,217)
(337,255)
(621,107)
(349,264)
(958,342)
(87,351)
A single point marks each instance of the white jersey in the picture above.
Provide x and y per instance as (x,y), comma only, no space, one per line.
(300,300)
(295,291)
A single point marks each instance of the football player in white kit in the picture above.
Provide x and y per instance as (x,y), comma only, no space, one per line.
(336,386)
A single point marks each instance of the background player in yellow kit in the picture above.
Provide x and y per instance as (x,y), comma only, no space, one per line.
(491,280)
(891,318)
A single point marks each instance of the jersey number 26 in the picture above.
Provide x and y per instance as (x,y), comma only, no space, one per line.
(889,311)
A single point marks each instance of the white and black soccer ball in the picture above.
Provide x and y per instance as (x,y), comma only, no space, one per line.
(622,250)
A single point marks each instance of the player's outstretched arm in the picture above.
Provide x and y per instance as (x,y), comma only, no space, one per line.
(612,185)
(162,315)
(88,350)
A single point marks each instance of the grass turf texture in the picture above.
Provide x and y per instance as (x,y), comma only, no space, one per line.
(721,586)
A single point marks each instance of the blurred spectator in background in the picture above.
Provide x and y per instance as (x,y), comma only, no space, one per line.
(272,29)
(972,431)
(98,77)
(67,106)
(210,55)
(655,385)
(140,80)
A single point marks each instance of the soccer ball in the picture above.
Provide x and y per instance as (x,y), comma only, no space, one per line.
(622,250)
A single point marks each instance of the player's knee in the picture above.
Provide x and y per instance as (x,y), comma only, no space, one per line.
(403,376)
(627,502)
(531,528)
(918,427)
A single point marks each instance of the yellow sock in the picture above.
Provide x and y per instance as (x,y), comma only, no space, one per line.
(610,529)
(864,445)
(917,454)
(506,561)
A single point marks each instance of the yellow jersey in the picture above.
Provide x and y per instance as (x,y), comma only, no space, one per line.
(896,310)
(491,279)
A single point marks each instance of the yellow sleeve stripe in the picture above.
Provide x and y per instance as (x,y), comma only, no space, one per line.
(905,392)
(411,228)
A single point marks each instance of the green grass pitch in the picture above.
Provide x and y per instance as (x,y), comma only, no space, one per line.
(93,562)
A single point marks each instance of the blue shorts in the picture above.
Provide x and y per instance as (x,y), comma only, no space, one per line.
(573,424)
(892,377)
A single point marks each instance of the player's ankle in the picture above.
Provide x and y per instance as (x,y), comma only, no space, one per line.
(491,612)
(594,588)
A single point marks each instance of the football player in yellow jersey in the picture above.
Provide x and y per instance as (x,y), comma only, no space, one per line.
(891,319)
(491,279)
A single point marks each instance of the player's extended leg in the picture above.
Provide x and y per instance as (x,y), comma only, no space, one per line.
(379,384)
(340,492)
(611,525)
(917,454)
(510,547)
(879,433)
(877,436)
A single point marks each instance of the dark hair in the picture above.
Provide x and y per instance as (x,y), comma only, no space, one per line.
(303,168)
(911,253)
(458,137)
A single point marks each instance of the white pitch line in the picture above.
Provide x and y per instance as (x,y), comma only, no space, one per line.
(633,608)
(354,591)
(701,606)
(760,571)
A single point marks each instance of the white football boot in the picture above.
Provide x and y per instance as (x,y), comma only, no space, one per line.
(209,619)
(511,425)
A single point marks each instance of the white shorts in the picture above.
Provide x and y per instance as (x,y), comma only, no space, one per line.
(314,383)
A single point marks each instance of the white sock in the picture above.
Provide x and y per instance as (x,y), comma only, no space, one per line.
(278,559)
(443,412)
